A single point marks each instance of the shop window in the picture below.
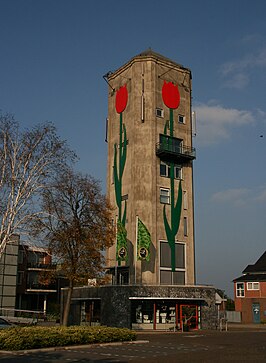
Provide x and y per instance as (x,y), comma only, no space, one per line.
(240,291)
(142,312)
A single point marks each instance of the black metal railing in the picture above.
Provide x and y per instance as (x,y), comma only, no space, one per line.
(43,266)
(168,149)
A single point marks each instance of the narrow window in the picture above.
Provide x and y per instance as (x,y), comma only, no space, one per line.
(185,199)
(185,227)
(163,169)
(181,119)
(240,291)
(178,172)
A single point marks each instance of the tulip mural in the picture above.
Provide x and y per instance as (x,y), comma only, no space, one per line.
(171,98)
(119,166)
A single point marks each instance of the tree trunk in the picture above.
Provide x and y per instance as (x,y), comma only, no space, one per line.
(67,305)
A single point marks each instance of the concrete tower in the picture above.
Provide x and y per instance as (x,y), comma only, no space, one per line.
(150,185)
(150,173)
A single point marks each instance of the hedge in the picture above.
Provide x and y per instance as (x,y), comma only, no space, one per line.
(22,338)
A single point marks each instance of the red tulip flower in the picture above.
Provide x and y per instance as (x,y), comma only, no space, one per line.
(121,99)
(171,95)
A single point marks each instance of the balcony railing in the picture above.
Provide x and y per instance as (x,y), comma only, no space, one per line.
(40,266)
(33,287)
(170,149)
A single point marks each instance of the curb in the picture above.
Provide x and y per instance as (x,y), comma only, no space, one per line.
(85,346)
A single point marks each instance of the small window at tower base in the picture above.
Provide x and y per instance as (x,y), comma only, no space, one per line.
(159,112)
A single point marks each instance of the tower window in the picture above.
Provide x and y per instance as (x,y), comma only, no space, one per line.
(181,119)
(159,112)
(164,196)
(165,170)
(185,203)
(185,227)
(167,276)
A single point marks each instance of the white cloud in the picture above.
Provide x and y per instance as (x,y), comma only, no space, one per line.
(236,74)
(215,123)
(234,196)
(261,195)
(241,196)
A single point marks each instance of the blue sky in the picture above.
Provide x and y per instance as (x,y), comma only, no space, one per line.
(55,52)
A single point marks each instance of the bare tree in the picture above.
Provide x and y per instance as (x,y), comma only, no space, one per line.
(78,227)
(28,159)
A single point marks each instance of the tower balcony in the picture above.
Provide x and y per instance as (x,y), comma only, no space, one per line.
(171,148)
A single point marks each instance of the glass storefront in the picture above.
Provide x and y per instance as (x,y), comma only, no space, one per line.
(164,314)
(91,312)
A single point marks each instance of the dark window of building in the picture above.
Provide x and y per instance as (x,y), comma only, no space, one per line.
(181,119)
(159,112)
(185,227)
(167,276)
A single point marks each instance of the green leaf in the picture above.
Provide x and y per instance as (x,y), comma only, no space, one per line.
(116,180)
(124,214)
(167,228)
(177,210)
(166,127)
(124,151)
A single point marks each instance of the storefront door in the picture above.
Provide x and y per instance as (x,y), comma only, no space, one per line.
(189,317)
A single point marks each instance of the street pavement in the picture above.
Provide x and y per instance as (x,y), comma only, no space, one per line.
(236,345)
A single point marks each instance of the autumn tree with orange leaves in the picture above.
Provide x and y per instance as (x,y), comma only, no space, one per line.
(78,227)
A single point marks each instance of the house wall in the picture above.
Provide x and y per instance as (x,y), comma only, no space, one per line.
(245,304)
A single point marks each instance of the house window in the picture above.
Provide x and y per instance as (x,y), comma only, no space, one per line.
(185,227)
(181,119)
(164,196)
(167,276)
(240,291)
(159,112)
(253,285)
(165,170)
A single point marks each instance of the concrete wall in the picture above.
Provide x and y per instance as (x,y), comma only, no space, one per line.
(144,77)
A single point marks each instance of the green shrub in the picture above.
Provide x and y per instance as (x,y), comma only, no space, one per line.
(21,338)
